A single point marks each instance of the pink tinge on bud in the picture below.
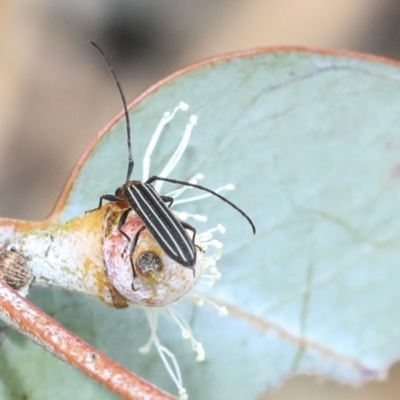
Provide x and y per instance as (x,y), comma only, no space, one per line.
(159,281)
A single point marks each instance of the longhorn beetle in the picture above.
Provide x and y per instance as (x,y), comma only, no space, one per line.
(152,208)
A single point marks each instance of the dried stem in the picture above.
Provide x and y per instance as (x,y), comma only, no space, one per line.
(33,323)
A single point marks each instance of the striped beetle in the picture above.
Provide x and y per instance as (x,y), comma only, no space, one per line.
(154,209)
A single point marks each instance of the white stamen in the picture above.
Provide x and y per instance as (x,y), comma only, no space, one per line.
(217,254)
(167,357)
(210,273)
(177,192)
(183,106)
(167,117)
(209,262)
(146,348)
(199,217)
(185,329)
(184,216)
(183,394)
(201,354)
(199,176)
(211,279)
(207,235)
(187,333)
(223,312)
(216,243)
(178,152)
(221,228)
(215,273)
(200,300)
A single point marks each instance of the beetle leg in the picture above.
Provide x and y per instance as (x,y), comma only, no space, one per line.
(132,246)
(108,197)
(167,199)
(193,230)
(121,223)
(131,242)
(190,228)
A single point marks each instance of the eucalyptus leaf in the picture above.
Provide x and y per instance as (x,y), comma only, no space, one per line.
(312,143)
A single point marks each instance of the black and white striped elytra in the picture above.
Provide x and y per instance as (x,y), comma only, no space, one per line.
(153,209)
(159,220)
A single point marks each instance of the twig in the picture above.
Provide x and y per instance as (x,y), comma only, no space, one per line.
(33,323)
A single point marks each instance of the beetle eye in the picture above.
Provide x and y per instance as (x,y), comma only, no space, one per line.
(149,262)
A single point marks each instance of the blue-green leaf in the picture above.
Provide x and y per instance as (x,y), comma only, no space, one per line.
(312,143)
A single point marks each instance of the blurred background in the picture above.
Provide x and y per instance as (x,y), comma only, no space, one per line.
(55,93)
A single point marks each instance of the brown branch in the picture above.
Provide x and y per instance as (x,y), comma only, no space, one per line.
(33,323)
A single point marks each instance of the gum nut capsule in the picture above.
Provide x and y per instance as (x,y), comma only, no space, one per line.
(14,269)
(159,280)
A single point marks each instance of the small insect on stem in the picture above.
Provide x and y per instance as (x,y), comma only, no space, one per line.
(14,269)
(154,209)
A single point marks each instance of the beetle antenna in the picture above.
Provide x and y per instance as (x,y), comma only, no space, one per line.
(159,178)
(128,125)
